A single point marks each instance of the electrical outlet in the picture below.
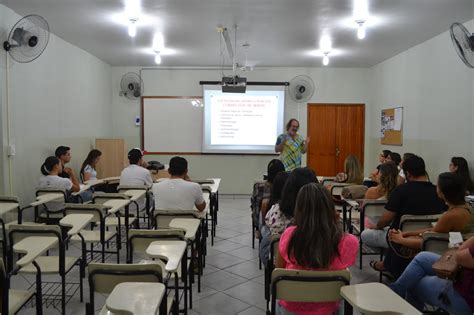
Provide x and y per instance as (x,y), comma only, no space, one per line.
(11,150)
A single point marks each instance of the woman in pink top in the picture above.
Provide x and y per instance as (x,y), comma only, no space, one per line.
(316,242)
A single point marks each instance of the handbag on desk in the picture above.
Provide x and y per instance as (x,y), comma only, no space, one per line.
(446,267)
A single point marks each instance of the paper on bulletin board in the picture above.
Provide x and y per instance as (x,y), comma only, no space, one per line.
(397,123)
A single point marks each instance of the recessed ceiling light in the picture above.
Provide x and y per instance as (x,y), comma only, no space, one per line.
(157,57)
(361,29)
(132,27)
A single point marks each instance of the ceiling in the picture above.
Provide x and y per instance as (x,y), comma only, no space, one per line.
(280,32)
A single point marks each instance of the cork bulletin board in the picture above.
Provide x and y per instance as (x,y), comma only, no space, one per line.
(391,131)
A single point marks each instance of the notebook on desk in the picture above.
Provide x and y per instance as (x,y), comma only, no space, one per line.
(204,181)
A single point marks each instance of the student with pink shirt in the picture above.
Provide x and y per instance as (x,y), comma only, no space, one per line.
(316,242)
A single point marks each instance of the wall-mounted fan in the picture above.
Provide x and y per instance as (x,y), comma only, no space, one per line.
(28,38)
(463,42)
(131,86)
(301,88)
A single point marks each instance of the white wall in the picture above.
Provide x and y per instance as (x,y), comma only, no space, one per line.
(238,171)
(61,98)
(436,90)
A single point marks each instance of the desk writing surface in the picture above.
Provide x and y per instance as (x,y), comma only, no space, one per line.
(376,298)
(33,246)
(171,251)
(6,207)
(137,298)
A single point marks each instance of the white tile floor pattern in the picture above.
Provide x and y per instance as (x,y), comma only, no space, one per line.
(232,282)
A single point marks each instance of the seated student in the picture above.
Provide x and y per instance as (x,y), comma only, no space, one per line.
(88,171)
(352,171)
(401,175)
(50,169)
(281,214)
(419,284)
(387,181)
(262,190)
(416,197)
(382,157)
(275,197)
(178,192)
(459,165)
(315,242)
(63,153)
(135,174)
(457,218)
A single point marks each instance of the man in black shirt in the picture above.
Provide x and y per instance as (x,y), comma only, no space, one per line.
(63,153)
(415,197)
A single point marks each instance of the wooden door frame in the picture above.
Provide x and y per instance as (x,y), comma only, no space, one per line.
(337,104)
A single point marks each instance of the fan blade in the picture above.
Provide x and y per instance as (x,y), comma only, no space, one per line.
(19,36)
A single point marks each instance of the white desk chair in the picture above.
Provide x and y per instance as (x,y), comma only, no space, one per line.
(103,278)
(11,300)
(59,264)
(98,234)
(307,286)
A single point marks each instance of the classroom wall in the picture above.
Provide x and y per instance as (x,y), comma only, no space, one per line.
(435,89)
(61,98)
(238,172)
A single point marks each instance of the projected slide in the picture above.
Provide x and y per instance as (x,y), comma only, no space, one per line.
(234,118)
(242,123)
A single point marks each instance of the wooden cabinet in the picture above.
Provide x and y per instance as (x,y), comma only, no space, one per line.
(336,131)
(113,159)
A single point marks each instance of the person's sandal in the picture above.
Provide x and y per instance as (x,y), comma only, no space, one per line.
(373,264)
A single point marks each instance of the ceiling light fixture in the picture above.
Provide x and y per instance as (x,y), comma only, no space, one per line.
(157,57)
(361,29)
(132,27)
(326,59)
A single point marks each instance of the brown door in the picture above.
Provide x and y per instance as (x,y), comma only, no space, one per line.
(336,131)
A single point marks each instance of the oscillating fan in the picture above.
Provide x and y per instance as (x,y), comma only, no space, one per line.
(301,88)
(28,38)
(463,42)
(131,86)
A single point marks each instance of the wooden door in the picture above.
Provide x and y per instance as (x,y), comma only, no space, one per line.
(113,159)
(322,148)
(336,131)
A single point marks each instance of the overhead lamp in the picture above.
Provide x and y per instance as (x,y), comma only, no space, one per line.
(361,29)
(326,58)
(157,57)
(132,27)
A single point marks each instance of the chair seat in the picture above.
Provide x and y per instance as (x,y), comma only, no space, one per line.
(93,236)
(49,264)
(113,221)
(17,298)
(105,311)
(52,215)
(7,225)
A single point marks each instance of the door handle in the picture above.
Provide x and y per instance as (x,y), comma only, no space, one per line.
(337,152)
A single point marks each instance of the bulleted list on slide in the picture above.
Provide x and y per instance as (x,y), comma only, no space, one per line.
(243,119)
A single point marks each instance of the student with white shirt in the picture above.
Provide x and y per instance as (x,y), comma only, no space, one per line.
(50,169)
(135,174)
(178,192)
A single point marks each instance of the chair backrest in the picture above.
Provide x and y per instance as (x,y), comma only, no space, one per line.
(121,188)
(336,189)
(274,249)
(417,222)
(3,286)
(372,209)
(139,240)
(18,232)
(98,211)
(435,242)
(11,199)
(104,277)
(308,286)
(101,197)
(47,190)
(162,218)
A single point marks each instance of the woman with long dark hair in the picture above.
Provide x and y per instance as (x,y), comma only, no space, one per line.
(459,166)
(387,179)
(315,242)
(88,171)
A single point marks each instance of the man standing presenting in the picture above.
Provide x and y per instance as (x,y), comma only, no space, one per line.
(291,146)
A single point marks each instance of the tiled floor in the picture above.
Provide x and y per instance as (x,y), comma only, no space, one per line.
(232,282)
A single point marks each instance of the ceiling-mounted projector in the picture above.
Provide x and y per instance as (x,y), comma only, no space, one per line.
(234,84)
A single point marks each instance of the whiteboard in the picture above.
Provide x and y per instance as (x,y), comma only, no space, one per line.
(172,124)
